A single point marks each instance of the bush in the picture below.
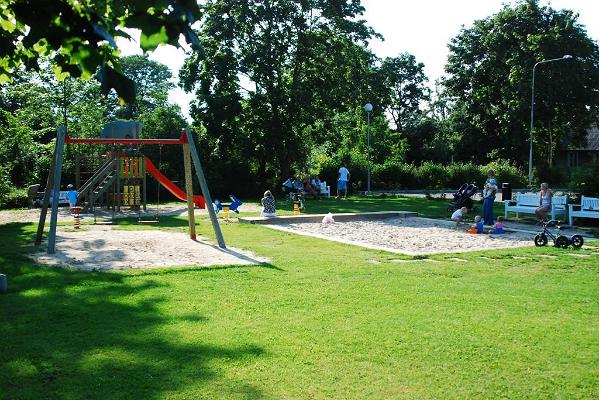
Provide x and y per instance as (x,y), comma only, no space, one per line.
(506,172)
(394,176)
(584,180)
(15,198)
(432,176)
(554,176)
(464,173)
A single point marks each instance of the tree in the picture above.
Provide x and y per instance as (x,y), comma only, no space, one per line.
(79,35)
(404,80)
(490,67)
(152,84)
(272,70)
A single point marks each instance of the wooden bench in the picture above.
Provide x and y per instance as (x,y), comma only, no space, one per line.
(587,209)
(528,202)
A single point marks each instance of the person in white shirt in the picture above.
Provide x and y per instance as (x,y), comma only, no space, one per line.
(342,183)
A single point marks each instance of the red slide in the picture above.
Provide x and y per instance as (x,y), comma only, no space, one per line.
(170,186)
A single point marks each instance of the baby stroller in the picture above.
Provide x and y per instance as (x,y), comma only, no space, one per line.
(462,197)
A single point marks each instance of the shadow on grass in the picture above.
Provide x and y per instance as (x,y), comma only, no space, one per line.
(71,334)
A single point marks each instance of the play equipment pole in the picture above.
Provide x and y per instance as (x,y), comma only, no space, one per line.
(60,142)
(204,188)
(189,189)
(46,200)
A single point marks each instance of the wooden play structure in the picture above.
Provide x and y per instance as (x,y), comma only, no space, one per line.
(131,169)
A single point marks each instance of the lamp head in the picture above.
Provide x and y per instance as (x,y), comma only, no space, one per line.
(368,107)
(567,57)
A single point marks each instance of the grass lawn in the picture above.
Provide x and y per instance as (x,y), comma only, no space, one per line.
(322,320)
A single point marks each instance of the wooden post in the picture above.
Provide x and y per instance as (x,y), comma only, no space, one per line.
(189,189)
(205,191)
(60,142)
(46,201)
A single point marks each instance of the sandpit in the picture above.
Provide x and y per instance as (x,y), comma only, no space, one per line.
(411,235)
(99,247)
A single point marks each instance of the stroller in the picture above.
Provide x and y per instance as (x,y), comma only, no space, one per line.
(462,197)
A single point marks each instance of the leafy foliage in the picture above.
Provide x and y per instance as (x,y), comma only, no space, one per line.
(490,67)
(79,36)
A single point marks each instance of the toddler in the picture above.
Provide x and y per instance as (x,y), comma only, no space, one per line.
(458,215)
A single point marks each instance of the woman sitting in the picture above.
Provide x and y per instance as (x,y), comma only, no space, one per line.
(268,203)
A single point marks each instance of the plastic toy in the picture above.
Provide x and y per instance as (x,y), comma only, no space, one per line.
(561,241)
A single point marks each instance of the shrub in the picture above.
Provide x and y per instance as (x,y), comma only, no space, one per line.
(394,176)
(432,176)
(584,180)
(15,198)
(459,173)
(506,172)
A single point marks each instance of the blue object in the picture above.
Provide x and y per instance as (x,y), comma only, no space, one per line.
(488,211)
(235,204)
(479,227)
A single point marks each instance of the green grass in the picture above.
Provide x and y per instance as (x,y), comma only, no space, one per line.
(321,320)
(431,208)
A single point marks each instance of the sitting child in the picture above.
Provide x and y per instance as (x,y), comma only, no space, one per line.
(268,203)
(478,225)
(498,226)
(458,215)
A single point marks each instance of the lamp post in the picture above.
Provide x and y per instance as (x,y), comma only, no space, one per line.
(368,108)
(565,57)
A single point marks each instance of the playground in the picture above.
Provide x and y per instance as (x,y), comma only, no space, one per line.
(196,304)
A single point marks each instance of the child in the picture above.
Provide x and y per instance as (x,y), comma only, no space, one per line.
(499,226)
(268,203)
(478,225)
(72,196)
(458,215)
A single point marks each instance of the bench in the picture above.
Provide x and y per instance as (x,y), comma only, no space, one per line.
(587,209)
(325,190)
(528,202)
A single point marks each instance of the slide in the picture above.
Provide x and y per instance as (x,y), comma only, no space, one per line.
(170,186)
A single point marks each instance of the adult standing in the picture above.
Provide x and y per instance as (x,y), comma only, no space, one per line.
(343,179)
(489,195)
(545,202)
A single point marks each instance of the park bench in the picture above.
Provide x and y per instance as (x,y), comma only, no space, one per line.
(325,190)
(528,202)
(587,209)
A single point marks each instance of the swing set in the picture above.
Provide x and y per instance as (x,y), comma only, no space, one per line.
(189,154)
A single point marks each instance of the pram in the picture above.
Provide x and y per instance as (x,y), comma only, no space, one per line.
(462,197)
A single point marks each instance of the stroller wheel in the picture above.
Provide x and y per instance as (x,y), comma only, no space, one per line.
(561,242)
(577,241)
(540,240)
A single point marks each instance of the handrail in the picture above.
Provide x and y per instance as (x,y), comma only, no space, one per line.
(102,173)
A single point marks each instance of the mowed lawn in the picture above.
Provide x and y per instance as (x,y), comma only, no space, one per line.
(321,320)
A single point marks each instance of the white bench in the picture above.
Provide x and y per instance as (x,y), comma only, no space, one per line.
(325,190)
(528,202)
(587,209)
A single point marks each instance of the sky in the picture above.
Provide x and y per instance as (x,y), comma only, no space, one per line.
(422,28)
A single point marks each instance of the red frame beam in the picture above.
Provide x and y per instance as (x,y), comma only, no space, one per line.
(182,140)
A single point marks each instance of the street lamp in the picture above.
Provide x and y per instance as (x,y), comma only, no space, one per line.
(368,108)
(565,57)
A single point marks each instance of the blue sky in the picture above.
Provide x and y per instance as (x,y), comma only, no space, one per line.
(422,28)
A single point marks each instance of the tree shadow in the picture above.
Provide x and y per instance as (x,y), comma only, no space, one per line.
(74,334)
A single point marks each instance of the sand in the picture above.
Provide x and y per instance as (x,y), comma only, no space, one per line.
(412,235)
(100,247)
(103,247)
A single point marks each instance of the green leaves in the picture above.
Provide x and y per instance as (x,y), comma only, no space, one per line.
(80,35)
(111,79)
